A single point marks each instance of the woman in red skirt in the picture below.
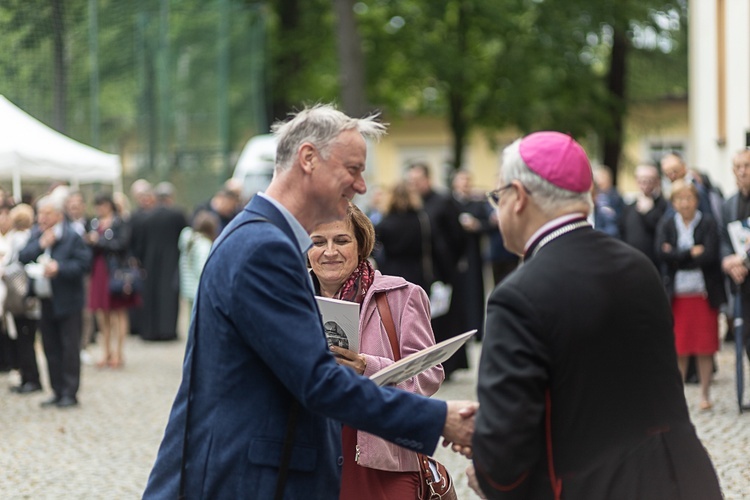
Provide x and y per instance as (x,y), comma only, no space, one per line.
(688,244)
(109,237)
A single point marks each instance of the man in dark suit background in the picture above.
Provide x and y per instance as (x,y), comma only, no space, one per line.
(735,265)
(640,218)
(562,410)
(65,259)
(475,221)
(142,193)
(75,213)
(674,168)
(261,395)
(448,240)
(157,236)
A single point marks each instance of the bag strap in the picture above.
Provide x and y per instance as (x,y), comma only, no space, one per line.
(293,411)
(385,316)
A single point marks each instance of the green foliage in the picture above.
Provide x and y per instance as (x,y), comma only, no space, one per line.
(158,73)
(302,50)
(529,64)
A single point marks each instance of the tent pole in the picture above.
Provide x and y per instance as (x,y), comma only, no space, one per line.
(117,186)
(17,184)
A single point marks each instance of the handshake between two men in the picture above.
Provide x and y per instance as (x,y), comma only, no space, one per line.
(458,432)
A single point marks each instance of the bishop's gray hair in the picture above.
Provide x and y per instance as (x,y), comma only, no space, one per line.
(549,198)
(319,125)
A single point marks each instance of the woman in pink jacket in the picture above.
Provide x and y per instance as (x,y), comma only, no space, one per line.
(373,468)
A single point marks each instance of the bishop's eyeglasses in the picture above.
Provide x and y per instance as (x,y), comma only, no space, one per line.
(494,196)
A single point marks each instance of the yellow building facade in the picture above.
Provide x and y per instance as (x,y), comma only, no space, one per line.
(651,129)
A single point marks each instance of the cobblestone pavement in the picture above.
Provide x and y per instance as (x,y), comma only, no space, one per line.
(105,448)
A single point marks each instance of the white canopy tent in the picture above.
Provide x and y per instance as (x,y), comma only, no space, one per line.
(31,150)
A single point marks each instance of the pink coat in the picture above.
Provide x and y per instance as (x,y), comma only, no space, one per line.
(410,309)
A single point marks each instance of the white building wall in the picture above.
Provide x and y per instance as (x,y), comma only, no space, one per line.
(738,79)
(707,152)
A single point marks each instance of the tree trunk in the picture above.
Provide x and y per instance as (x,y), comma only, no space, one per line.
(616,87)
(289,61)
(60,90)
(459,126)
(351,60)
(458,90)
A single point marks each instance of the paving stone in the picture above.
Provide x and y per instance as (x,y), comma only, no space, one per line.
(104,449)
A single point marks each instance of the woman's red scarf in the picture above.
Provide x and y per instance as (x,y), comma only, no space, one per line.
(357,284)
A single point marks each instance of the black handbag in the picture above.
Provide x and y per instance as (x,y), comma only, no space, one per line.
(126,276)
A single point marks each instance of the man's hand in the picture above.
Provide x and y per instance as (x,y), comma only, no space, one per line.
(643,203)
(47,239)
(466,451)
(473,483)
(459,423)
(51,268)
(734,267)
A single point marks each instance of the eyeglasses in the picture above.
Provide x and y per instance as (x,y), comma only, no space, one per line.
(494,196)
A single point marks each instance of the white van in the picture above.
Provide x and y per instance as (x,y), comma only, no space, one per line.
(255,164)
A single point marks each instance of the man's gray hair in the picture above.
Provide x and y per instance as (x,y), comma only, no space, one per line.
(319,125)
(56,203)
(549,198)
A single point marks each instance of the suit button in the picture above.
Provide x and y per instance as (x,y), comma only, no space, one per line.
(340,461)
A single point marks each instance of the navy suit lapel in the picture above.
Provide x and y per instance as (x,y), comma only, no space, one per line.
(259,206)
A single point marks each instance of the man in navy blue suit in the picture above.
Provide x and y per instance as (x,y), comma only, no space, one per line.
(63,259)
(262,397)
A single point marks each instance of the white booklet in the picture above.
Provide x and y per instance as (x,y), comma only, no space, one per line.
(739,233)
(341,322)
(416,363)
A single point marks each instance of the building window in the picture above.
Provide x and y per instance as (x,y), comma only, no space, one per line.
(657,150)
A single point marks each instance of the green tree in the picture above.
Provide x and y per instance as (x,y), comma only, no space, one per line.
(528,64)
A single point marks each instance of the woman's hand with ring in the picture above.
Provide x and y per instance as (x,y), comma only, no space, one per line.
(349,358)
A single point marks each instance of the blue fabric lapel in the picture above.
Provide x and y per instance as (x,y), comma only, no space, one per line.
(259,206)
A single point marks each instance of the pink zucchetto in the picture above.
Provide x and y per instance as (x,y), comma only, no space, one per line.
(558,159)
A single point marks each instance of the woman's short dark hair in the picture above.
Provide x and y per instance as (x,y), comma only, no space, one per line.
(206,223)
(105,199)
(364,231)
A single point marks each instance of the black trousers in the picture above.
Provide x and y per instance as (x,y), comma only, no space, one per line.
(8,356)
(746,322)
(26,328)
(61,337)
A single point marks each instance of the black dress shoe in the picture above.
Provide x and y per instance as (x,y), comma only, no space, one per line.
(26,388)
(48,403)
(67,402)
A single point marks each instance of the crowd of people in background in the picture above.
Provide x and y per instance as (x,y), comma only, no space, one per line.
(430,237)
(427,235)
(86,275)
(680,222)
